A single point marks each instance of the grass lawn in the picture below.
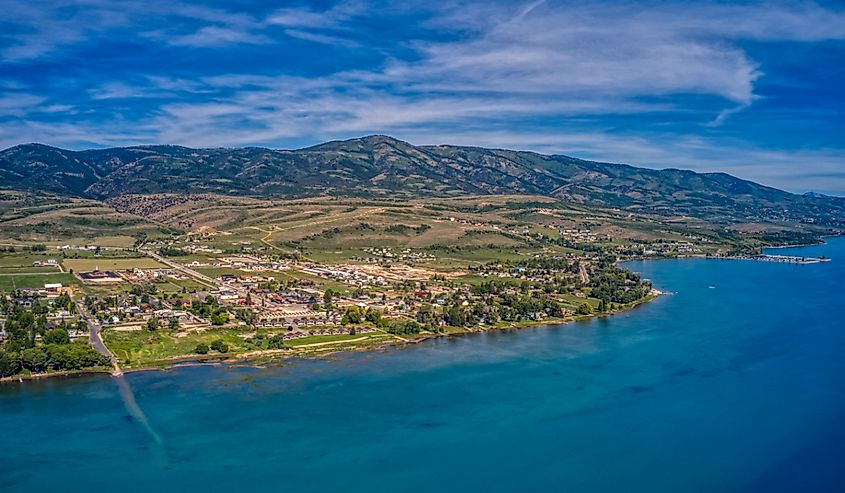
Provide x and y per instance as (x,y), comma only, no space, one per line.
(24,259)
(328,338)
(187,259)
(470,255)
(334,255)
(176,285)
(113,290)
(29,270)
(10,282)
(339,342)
(116,241)
(141,347)
(319,282)
(86,264)
(219,271)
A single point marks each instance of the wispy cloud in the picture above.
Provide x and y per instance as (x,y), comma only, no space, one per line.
(547,74)
(17,104)
(219,36)
(307,18)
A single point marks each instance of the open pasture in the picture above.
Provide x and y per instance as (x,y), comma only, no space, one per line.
(89,264)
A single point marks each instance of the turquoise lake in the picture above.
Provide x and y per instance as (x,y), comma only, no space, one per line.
(732,382)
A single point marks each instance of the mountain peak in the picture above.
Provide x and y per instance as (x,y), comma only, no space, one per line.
(359,143)
(32,146)
(380,165)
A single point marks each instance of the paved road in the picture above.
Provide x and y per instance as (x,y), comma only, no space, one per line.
(201,278)
(97,343)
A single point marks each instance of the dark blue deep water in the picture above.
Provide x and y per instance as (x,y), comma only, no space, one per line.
(733,382)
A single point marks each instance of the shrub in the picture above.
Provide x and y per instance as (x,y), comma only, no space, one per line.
(585,308)
(220,346)
(276,342)
(201,348)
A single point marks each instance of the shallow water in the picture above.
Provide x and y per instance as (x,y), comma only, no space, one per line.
(735,381)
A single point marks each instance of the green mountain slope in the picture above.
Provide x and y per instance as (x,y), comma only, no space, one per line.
(383,166)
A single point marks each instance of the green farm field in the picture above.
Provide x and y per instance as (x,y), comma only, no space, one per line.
(89,264)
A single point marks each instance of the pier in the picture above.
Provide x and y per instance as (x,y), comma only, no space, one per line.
(785,259)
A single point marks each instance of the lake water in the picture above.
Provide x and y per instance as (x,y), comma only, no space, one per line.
(735,381)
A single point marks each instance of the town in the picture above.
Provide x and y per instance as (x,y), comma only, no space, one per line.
(149,306)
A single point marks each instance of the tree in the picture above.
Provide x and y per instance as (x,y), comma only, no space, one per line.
(248,316)
(9,364)
(220,346)
(174,323)
(56,336)
(585,308)
(276,342)
(425,314)
(603,305)
(455,316)
(404,327)
(352,316)
(220,318)
(74,356)
(152,324)
(373,316)
(201,348)
(34,359)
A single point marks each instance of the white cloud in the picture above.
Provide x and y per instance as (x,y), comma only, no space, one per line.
(210,36)
(305,18)
(17,104)
(541,59)
(493,66)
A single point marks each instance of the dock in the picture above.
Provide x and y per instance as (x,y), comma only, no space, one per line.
(786,259)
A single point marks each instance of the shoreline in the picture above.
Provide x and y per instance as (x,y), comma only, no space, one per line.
(280,356)
(254,358)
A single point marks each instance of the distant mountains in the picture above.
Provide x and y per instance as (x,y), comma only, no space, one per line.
(386,167)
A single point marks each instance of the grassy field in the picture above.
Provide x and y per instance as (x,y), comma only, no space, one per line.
(281,276)
(23,259)
(10,282)
(86,264)
(177,285)
(29,270)
(331,338)
(319,281)
(141,347)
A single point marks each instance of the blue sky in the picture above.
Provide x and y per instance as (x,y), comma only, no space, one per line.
(756,90)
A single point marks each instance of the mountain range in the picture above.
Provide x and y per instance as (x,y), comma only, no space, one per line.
(381,166)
